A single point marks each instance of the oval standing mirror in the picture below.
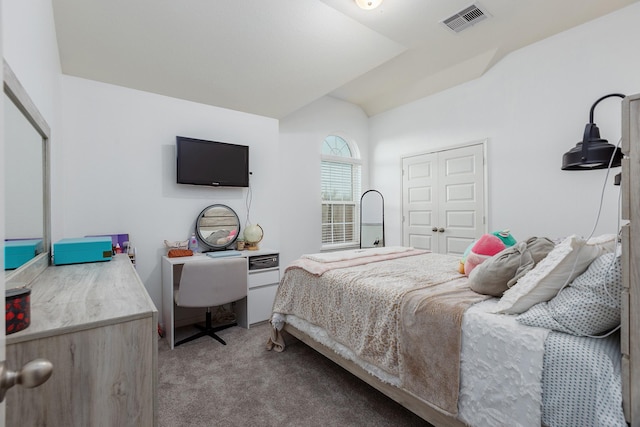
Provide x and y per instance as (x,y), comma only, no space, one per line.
(26,170)
(371,219)
(217,227)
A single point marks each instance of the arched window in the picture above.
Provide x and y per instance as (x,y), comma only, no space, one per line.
(340,176)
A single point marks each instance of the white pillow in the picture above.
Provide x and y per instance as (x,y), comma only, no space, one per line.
(607,242)
(589,306)
(564,263)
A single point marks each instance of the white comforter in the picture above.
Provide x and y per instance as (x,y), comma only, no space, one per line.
(517,375)
(500,369)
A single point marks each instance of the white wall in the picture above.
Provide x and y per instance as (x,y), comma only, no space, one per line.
(119,169)
(30,47)
(532,107)
(301,136)
(113,166)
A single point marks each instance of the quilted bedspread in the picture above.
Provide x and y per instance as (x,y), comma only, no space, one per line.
(363,308)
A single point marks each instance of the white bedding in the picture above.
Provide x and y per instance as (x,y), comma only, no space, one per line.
(355,253)
(321,336)
(500,369)
(509,372)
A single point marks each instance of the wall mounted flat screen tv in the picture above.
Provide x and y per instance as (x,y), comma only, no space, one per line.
(217,164)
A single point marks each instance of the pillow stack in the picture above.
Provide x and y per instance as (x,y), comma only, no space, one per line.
(564,263)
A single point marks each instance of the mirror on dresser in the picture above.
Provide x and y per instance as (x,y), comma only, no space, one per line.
(26,169)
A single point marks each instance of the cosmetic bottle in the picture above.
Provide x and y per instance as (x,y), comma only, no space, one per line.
(193,243)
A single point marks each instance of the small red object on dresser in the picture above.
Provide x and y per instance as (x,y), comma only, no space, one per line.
(17,309)
(176,253)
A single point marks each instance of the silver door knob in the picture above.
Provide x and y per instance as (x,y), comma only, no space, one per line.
(434,229)
(31,375)
(440,230)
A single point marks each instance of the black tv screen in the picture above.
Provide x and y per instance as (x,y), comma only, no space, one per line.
(213,163)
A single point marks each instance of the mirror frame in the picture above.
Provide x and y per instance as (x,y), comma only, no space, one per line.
(362,224)
(201,238)
(24,274)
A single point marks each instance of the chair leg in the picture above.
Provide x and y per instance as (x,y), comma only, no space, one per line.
(191,338)
(207,330)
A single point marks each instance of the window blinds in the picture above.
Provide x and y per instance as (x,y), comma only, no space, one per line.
(340,185)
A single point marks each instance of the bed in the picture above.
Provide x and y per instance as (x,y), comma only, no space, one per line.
(410,320)
(408,323)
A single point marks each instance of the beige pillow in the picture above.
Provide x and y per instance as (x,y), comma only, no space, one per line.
(492,276)
(539,248)
(564,263)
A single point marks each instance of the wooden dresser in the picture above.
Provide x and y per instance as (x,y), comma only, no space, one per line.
(630,335)
(98,326)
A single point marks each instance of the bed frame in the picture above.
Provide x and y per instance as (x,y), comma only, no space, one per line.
(416,405)
(630,333)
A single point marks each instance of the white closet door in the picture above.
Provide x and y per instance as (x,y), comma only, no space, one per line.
(444,199)
(460,198)
(419,206)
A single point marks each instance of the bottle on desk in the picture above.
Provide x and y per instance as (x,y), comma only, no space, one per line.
(193,243)
(131,251)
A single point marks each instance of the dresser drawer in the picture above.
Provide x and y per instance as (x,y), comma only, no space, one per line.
(261,278)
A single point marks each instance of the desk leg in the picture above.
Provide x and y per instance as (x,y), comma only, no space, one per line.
(167,302)
(241,311)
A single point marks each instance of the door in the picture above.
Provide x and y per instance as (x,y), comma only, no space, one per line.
(2,236)
(443,207)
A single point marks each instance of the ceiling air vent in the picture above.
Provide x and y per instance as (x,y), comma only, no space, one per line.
(466,18)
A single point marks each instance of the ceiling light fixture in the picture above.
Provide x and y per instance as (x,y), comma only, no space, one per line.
(368,4)
(593,152)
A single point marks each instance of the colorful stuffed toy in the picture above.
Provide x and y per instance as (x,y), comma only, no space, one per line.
(485,247)
(506,237)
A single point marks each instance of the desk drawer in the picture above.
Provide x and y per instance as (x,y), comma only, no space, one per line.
(260,303)
(261,278)
(262,262)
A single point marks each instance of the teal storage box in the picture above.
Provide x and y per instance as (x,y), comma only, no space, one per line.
(17,252)
(82,249)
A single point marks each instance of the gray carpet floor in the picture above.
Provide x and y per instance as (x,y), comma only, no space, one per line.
(204,383)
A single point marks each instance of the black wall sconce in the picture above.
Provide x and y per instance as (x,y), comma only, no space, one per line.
(593,152)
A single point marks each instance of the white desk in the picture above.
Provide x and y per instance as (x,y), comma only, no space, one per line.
(262,285)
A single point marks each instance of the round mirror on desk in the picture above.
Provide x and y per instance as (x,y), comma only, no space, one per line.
(218,227)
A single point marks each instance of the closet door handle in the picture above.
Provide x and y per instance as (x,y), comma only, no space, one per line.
(434,229)
(440,230)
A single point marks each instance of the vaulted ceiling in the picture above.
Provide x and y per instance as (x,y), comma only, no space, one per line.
(272,57)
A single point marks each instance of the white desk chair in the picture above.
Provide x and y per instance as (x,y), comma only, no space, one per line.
(209,284)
